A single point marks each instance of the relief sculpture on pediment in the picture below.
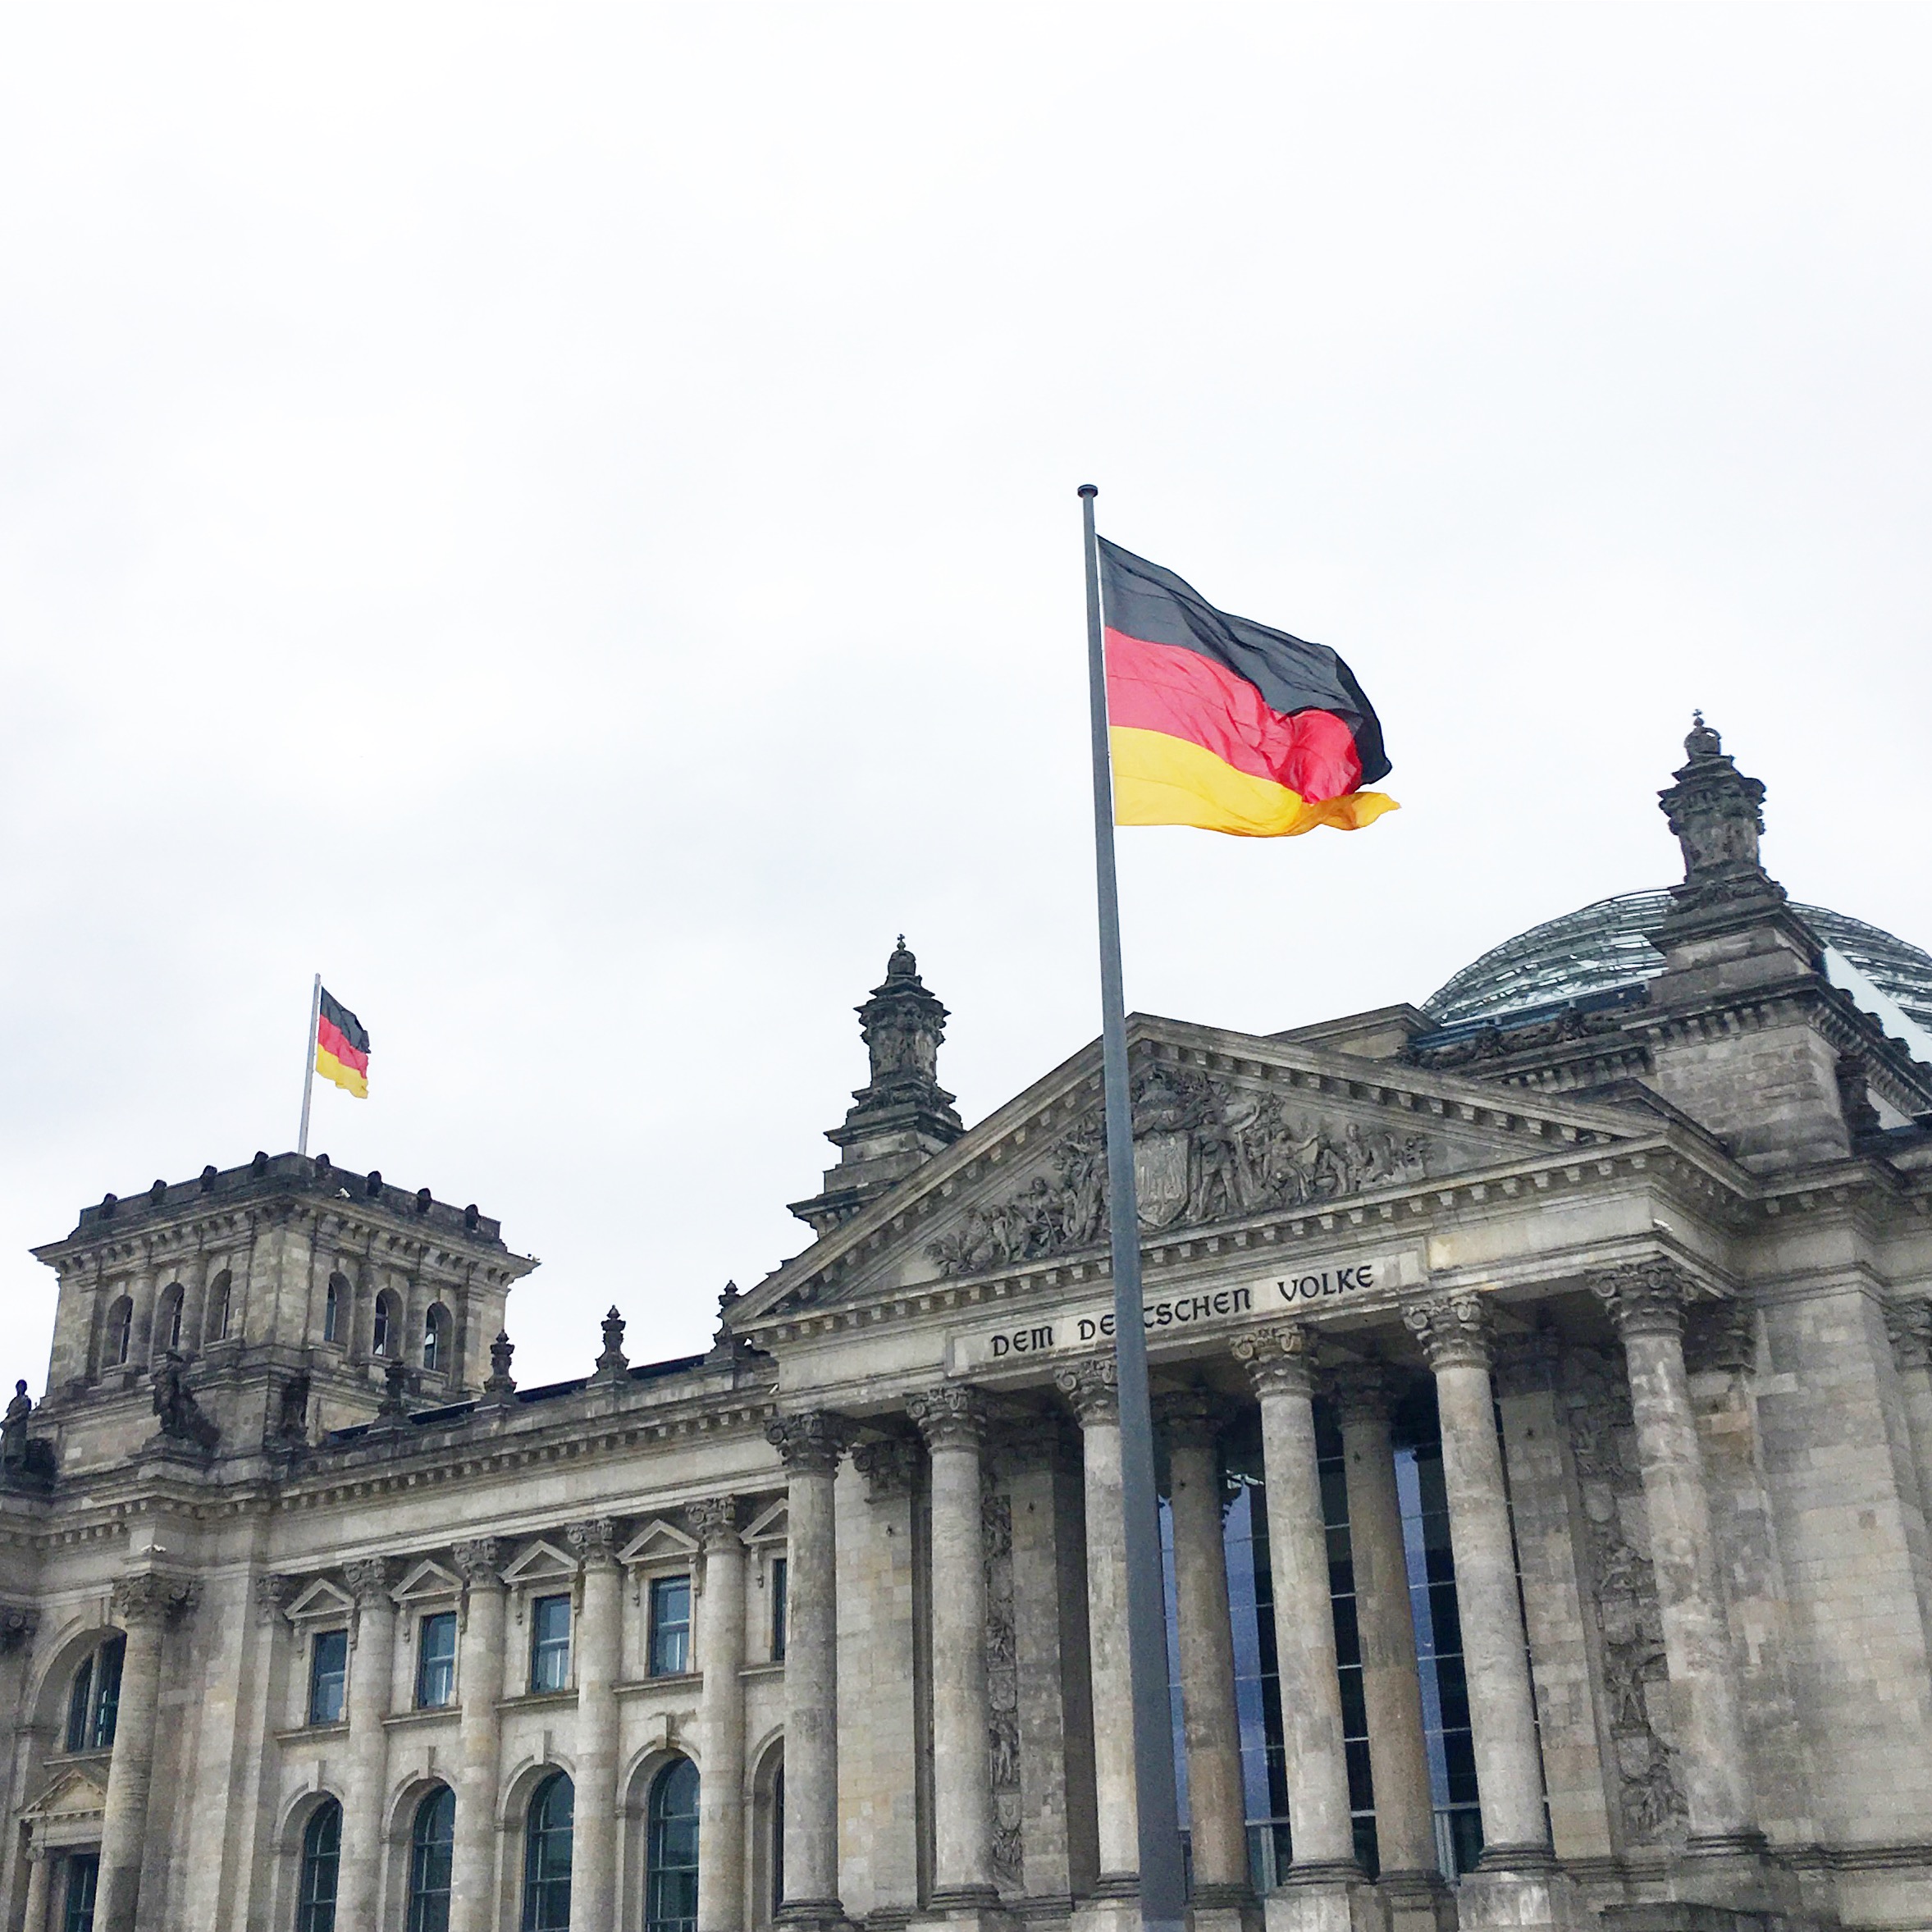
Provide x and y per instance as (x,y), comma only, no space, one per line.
(1204,1151)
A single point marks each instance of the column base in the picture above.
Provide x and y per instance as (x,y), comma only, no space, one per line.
(1224,1908)
(1335,1898)
(962,1908)
(1519,1888)
(1733,1870)
(812,1914)
(1418,1901)
(1109,1911)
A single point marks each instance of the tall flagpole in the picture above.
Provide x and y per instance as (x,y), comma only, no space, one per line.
(1164,1900)
(308,1065)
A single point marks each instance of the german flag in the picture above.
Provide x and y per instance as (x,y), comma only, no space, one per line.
(1217,722)
(342,1047)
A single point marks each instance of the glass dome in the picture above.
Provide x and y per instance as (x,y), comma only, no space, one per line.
(1605,947)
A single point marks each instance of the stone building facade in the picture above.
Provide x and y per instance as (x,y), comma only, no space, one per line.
(1544,1385)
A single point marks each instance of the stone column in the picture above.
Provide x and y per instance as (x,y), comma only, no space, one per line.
(366,1778)
(1455,1335)
(953,1419)
(38,1884)
(479,1665)
(1398,1757)
(1647,1301)
(599,1661)
(721,1899)
(1092,1388)
(142,1605)
(1279,1361)
(1908,1324)
(811,1447)
(1211,1726)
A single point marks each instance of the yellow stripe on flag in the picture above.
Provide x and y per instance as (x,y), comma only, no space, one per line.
(1163,780)
(345,1077)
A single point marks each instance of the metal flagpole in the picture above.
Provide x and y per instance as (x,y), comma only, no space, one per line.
(1163,1901)
(308,1064)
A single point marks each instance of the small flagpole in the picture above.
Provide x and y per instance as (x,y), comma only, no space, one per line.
(1163,1889)
(308,1064)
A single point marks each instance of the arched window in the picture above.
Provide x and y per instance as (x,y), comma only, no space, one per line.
(436,1339)
(167,1330)
(335,1308)
(547,1855)
(670,1869)
(430,1843)
(384,1337)
(218,1293)
(93,1698)
(120,1332)
(322,1853)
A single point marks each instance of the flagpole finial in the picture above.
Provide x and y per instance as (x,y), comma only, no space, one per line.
(1090,490)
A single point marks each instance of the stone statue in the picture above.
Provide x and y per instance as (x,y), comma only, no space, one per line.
(181,1419)
(13,1430)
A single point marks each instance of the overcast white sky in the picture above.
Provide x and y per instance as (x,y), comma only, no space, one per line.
(564,520)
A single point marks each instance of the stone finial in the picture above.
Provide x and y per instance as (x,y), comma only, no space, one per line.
(1190,1418)
(394,1406)
(714,1520)
(809,1443)
(952,1416)
(1093,1387)
(479,1562)
(501,1384)
(902,1024)
(613,1365)
(1717,815)
(593,1541)
(1279,1358)
(1644,1297)
(1909,1324)
(890,1465)
(369,1579)
(1362,1392)
(1453,1331)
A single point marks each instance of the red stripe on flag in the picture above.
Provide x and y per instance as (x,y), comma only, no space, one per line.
(1168,688)
(332,1040)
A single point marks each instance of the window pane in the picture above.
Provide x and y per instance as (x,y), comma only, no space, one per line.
(79,1702)
(549,1643)
(430,1849)
(670,1880)
(107,1691)
(322,1846)
(778,1610)
(670,1626)
(436,1660)
(547,1855)
(83,1872)
(328,1676)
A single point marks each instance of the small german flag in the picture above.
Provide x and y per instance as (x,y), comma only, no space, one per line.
(342,1047)
(1217,722)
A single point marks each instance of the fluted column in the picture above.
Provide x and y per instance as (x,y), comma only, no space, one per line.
(1455,1335)
(479,1666)
(1092,1388)
(811,1447)
(953,1419)
(1279,1361)
(1398,1757)
(599,1634)
(369,1674)
(721,1899)
(1647,1301)
(143,1605)
(1211,1725)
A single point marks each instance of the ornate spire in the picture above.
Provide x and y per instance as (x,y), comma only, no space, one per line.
(902,1024)
(1717,813)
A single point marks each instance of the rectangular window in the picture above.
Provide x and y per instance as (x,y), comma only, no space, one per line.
(80,1706)
(436,1660)
(777,1610)
(550,1644)
(670,1626)
(328,1676)
(83,1872)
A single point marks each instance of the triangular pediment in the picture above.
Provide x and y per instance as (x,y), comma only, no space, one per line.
(658,1541)
(772,1524)
(542,1562)
(427,1582)
(322,1599)
(73,1794)
(1228,1128)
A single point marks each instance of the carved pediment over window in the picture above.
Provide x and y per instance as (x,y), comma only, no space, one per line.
(1204,1150)
(72,1796)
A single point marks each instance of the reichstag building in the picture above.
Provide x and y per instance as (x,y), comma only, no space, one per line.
(1545,1448)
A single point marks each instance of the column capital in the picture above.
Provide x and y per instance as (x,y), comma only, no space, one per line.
(18,1624)
(889,1465)
(1190,1418)
(809,1444)
(1527,1364)
(1093,1387)
(952,1416)
(1362,1392)
(1909,1324)
(369,1579)
(1644,1297)
(153,1597)
(714,1518)
(273,1590)
(1280,1359)
(479,1561)
(593,1541)
(1453,1331)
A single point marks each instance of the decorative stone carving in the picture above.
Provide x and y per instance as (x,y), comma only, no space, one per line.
(714,1521)
(613,1364)
(1718,816)
(152,1596)
(593,1542)
(397,1383)
(1003,1689)
(1093,1387)
(1719,1335)
(1909,1323)
(1204,1150)
(1498,1039)
(1280,1359)
(1363,1390)
(890,1465)
(952,1414)
(811,1443)
(479,1562)
(13,1429)
(500,1384)
(291,1413)
(18,1624)
(271,1592)
(1453,1331)
(1622,1594)
(369,1579)
(181,1418)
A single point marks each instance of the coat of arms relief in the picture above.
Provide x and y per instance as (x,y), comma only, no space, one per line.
(1204,1150)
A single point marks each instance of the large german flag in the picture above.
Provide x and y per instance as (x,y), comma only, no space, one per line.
(1219,722)
(342,1047)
